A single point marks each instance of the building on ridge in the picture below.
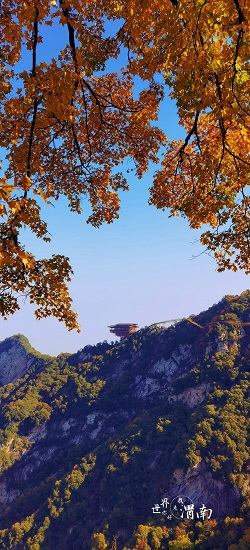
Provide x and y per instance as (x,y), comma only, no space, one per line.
(123,330)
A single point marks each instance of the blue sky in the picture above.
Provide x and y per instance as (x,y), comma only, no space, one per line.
(139,269)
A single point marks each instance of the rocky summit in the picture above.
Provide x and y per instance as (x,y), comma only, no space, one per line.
(137,444)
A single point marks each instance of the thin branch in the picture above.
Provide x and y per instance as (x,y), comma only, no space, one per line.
(35,105)
(13,232)
(236,156)
(189,135)
(240,12)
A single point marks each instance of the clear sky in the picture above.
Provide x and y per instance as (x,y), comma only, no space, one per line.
(139,269)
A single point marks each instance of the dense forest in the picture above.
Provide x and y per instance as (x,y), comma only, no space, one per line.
(138,444)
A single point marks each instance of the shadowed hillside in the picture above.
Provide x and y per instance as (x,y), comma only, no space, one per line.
(138,444)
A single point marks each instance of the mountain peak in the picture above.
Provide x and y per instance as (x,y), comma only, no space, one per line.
(16,357)
(94,444)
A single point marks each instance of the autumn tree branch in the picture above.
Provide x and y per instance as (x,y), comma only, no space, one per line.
(240,12)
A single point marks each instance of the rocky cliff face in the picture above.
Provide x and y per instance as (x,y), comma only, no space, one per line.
(16,358)
(99,436)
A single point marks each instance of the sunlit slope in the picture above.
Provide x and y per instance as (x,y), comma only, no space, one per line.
(91,442)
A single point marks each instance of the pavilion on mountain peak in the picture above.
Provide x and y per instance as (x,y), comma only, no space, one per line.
(123,330)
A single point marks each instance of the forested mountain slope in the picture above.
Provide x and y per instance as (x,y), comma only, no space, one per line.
(96,446)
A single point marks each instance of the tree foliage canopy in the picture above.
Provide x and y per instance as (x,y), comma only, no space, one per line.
(67,124)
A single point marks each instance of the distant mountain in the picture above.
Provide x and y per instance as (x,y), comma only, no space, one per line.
(140,444)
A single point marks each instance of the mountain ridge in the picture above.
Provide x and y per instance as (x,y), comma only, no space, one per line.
(87,438)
